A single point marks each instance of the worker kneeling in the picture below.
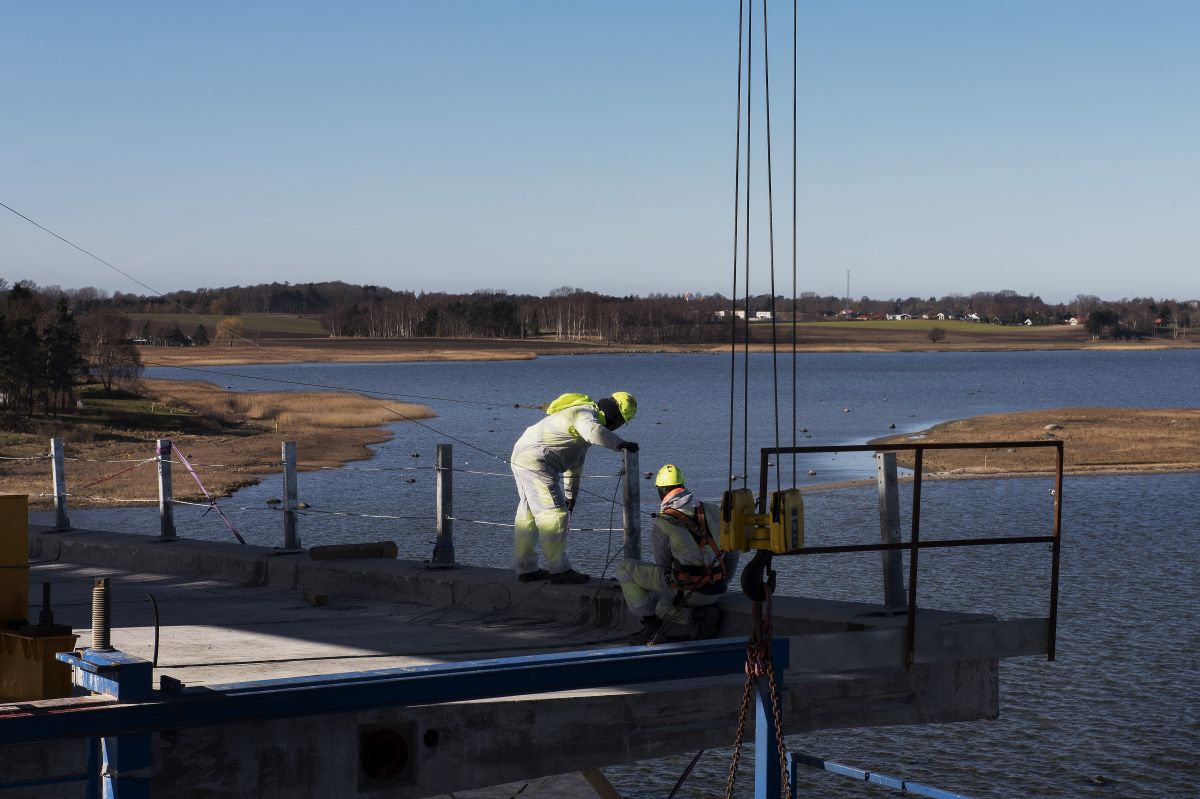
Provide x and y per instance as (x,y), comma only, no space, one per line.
(689,571)
(547,462)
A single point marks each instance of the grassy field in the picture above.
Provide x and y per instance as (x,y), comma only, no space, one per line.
(274,324)
(922,326)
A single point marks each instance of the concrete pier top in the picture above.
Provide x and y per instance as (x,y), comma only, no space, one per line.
(213,632)
(231,613)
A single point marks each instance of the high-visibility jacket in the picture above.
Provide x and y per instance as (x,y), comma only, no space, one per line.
(559,443)
(678,549)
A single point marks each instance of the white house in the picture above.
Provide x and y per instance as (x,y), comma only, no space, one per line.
(1028,322)
(762,315)
(972,317)
(1073,322)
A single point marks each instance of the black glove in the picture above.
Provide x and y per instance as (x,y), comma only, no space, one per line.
(570,504)
(629,446)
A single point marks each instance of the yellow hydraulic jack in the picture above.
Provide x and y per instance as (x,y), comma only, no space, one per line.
(28,669)
(780,530)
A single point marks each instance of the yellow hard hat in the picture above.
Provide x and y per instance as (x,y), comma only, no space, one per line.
(669,475)
(627,403)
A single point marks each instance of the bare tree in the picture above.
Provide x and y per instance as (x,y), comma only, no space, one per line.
(230,330)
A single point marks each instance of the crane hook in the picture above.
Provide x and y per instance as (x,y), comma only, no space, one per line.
(753,584)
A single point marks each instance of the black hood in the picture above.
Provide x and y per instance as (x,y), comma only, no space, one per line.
(612,412)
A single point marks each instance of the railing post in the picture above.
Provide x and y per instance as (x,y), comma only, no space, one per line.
(631,510)
(61,522)
(291,538)
(443,548)
(166,511)
(889,529)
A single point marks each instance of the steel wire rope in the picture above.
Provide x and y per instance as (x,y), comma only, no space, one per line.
(737,201)
(795,307)
(746,265)
(403,416)
(194,313)
(189,310)
(771,232)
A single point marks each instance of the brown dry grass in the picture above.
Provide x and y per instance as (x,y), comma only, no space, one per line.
(1095,440)
(230,438)
(283,411)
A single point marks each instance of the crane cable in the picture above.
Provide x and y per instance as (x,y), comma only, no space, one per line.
(758,578)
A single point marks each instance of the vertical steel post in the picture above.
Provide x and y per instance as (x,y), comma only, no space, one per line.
(61,522)
(126,769)
(766,757)
(631,511)
(443,548)
(910,633)
(166,511)
(291,538)
(1056,551)
(889,529)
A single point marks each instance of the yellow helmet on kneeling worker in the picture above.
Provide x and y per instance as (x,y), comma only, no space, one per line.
(669,476)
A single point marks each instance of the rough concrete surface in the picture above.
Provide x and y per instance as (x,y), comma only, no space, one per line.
(230,614)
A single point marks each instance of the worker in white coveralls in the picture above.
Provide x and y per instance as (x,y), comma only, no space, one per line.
(689,571)
(547,462)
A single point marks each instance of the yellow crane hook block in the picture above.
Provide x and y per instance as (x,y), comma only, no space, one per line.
(787,520)
(781,530)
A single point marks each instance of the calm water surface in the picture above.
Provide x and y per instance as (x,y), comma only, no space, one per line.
(1115,716)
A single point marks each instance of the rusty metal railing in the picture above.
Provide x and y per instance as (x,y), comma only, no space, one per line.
(914,545)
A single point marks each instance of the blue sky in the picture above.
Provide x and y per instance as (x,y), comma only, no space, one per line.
(944,146)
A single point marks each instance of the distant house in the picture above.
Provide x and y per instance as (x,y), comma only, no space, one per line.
(762,315)
(1028,322)
(924,316)
(941,317)
(972,317)
(723,314)
(1073,322)
(899,316)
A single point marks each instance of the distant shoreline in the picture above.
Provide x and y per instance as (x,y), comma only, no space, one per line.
(357,350)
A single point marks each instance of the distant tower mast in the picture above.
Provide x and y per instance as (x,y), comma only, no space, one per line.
(847,288)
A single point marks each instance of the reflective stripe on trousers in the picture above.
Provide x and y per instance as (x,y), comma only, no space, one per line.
(648,593)
(541,515)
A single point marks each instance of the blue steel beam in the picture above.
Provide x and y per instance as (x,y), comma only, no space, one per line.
(341,693)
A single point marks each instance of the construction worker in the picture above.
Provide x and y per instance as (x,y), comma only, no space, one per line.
(689,571)
(547,462)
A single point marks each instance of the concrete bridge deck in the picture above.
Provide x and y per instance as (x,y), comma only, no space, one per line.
(230,613)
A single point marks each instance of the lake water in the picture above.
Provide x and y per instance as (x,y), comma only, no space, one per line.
(1116,715)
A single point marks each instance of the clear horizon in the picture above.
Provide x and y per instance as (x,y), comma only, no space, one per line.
(944,148)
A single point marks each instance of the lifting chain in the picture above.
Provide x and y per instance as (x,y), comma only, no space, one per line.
(758,665)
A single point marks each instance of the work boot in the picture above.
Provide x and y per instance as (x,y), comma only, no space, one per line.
(530,577)
(570,576)
(708,622)
(651,627)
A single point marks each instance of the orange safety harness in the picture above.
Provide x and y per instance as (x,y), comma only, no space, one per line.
(709,577)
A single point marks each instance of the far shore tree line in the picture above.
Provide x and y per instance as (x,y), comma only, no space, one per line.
(348,310)
(51,335)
